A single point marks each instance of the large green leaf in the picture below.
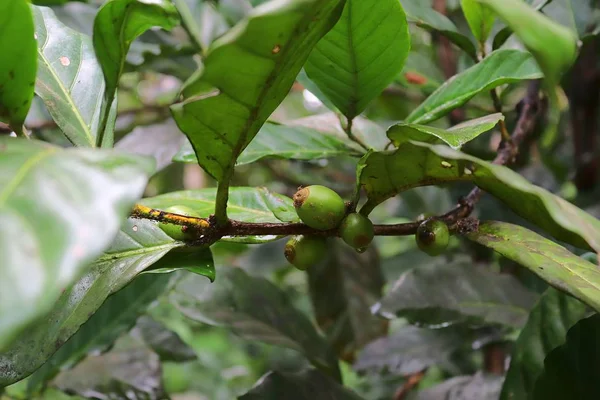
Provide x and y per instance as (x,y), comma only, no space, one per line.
(246,74)
(571,370)
(550,261)
(305,385)
(551,318)
(418,164)
(553,45)
(499,68)
(421,13)
(440,293)
(139,244)
(70,80)
(117,24)
(116,316)
(342,289)
(245,204)
(65,207)
(361,55)
(18,66)
(480,19)
(455,136)
(285,141)
(255,309)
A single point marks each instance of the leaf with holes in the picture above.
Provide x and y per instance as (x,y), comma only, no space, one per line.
(499,68)
(85,193)
(246,74)
(361,55)
(138,245)
(70,80)
(116,316)
(446,293)
(455,136)
(550,261)
(255,309)
(117,24)
(420,164)
(245,204)
(553,315)
(18,66)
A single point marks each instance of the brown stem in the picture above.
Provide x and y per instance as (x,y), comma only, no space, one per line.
(412,381)
(494,356)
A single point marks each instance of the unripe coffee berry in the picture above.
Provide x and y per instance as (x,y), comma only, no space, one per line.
(178,232)
(357,231)
(432,237)
(319,207)
(305,251)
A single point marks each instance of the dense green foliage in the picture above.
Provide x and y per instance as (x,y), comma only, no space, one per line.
(219,199)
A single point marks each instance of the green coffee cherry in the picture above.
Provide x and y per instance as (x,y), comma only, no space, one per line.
(357,231)
(305,251)
(178,232)
(432,237)
(319,207)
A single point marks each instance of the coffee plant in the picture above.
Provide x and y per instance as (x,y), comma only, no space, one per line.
(299,199)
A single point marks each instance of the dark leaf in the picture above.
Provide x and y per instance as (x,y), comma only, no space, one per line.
(196,260)
(477,387)
(166,343)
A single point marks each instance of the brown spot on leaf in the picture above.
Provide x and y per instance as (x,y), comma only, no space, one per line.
(276,49)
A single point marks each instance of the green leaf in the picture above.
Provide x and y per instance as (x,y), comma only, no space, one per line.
(64,206)
(117,24)
(480,19)
(245,204)
(139,244)
(410,350)
(18,66)
(285,141)
(553,45)
(476,387)
(419,164)
(571,370)
(342,290)
(116,316)
(440,293)
(499,68)
(455,136)
(421,13)
(306,385)
(246,75)
(360,56)
(550,261)
(550,319)
(163,341)
(196,260)
(257,310)
(202,20)
(70,80)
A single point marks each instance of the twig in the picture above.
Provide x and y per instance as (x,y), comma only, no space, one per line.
(351,136)
(412,381)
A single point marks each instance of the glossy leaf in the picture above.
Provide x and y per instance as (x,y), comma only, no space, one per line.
(571,370)
(361,55)
(455,136)
(65,206)
(285,141)
(202,20)
(409,350)
(196,260)
(255,309)
(18,66)
(306,385)
(342,290)
(116,316)
(480,19)
(446,293)
(476,387)
(550,261)
(117,24)
(407,170)
(553,315)
(553,45)
(421,13)
(139,244)
(246,74)
(245,204)
(499,68)
(70,80)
